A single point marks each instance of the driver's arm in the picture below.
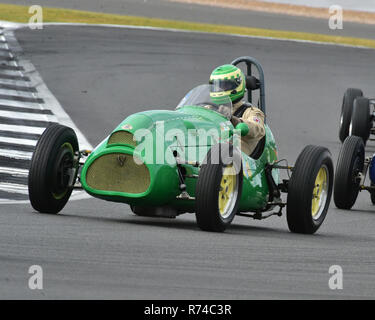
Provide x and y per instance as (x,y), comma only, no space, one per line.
(254,118)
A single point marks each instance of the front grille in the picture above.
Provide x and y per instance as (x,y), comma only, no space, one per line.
(122,137)
(118,172)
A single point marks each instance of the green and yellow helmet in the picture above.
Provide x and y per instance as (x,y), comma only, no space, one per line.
(227,81)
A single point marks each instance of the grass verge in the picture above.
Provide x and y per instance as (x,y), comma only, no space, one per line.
(20,14)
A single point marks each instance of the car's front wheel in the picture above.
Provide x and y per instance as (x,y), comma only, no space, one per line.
(218,189)
(53,169)
(309,190)
(349,164)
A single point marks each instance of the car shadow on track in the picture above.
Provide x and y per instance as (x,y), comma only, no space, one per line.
(169,223)
(235,229)
(190,225)
(361,211)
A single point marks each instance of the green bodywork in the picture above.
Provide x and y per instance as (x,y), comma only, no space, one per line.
(163,188)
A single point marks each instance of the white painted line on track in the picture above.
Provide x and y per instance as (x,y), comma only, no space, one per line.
(26,142)
(50,103)
(8,201)
(15,154)
(11,72)
(22,129)
(28,116)
(18,93)
(12,187)
(6,54)
(16,82)
(15,171)
(76,195)
(20,104)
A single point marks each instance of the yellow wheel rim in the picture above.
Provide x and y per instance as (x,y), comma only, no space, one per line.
(320,191)
(228,191)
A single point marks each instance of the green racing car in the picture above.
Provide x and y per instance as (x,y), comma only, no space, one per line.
(164,163)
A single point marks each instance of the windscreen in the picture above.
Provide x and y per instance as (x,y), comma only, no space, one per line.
(208,96)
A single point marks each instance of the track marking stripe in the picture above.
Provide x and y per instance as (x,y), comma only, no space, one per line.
(18,141)
(26,110)
(21,98)
(17,88)
(15,171)
(22,129)
(10,72)
(8,63)
(21,198)
(14,187)
(10,58)
(76,195)
(19,135)
(28,116)
(14,92)
(12,77)
(15,163)
(17,147)
(13,178)
(14,82)
(16,154)
(10,67)
(23,122)
(5,54)
(20,104)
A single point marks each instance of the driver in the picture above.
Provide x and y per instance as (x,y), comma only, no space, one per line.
(229,80)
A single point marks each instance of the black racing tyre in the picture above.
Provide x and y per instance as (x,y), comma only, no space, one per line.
(219,188)
(53,158)
(309,190)
(361,123)
(346,111)
(372,193)
(350,162)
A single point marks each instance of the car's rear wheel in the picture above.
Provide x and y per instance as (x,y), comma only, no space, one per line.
(346,111)
(53,169)
(361,122)
(218,189)
(349,164)
(309,190)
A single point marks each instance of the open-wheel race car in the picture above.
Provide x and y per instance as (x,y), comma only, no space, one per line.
(357,115)
(164,163)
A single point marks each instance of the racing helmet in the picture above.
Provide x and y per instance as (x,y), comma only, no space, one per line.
(227,81)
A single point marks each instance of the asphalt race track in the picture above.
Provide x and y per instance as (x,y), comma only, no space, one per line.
(97,249)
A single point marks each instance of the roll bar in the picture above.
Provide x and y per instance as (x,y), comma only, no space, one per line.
(250,61)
